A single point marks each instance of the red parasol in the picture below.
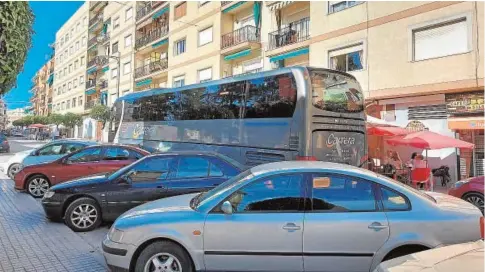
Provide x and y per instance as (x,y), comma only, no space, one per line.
(429,140)
(37,126)
(386,131)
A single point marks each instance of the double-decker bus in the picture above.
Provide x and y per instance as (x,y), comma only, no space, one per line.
(294,113)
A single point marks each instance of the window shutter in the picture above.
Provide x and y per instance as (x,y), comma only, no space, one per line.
(427,112)
(441,40)
(346,50)
(205,74)
(205,36)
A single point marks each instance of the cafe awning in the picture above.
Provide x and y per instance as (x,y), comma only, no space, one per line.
(291,54)
(472,123)
(238,54)
(143,82)
(234,6)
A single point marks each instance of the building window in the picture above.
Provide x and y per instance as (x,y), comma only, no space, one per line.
(114,48)
(347,59)
(70,68)
(335,6)
(76,64)
(128,41)
(71,50)
(74,83)
(179,81)
(179,47)
(74,102)
(85,21)
(127,68)
(77,45)
(59,91)
(68,104)
(66,38)
(205,36)
(116,23)
(204,75)
(78,27)
(81,80)
(69,86)
(63,105)
(439,40)
(83,41)
(65,71)
(180,10)
(80,99)
(253,66)
(128,14)
(114,73)
(82,61)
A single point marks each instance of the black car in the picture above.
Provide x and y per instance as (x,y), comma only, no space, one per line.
(84,203)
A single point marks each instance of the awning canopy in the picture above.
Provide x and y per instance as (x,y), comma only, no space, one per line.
(90,92)
(160,12)
(279,5)
(92,70)
(429,140)
(234,6)
(50,80)
(472,123)
(238,54)
(291,54)
(105,69)
(160,43)
(385,131)
(143,82)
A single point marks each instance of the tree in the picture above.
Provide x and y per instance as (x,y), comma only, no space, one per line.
(101,113)
(18,123)
(16,20)
(28,120)
(71,120)
(56,119)
(38,119)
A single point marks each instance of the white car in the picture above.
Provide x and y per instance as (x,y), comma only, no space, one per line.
(12,166)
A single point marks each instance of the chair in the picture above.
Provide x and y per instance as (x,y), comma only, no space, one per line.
(421,176)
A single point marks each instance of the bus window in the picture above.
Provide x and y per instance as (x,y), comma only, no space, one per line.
(336,93)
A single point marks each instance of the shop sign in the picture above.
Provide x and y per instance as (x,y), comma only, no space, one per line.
(464,103)
(416,126)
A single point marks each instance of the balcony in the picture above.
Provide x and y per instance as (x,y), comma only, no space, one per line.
(103,84)
(91,103)
(239,36)
(149,7)
(98,39)
(98,61)
(150,36)
(295,32)
(223,3)
(96,6)
(97,18)
(152,67)
(90,83)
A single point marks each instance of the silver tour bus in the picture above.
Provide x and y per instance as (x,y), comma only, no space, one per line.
(294,113)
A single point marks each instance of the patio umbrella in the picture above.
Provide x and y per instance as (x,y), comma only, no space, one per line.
(429,140)
(37,126)
(385,131)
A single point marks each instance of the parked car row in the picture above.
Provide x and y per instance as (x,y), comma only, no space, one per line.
(198,211)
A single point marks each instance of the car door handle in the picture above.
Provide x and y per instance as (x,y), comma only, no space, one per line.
(377,226)
(291,227)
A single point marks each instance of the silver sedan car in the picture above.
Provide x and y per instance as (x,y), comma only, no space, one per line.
(289,216)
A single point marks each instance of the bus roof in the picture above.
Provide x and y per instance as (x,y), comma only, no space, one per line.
(231,79)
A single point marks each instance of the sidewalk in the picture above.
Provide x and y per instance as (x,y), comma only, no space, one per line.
(29,242)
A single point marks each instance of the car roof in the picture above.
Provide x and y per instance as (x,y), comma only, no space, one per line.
(74,141)
(307,165)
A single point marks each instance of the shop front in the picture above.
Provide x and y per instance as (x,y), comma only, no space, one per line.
(466,119)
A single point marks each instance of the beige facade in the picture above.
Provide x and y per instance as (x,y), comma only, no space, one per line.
(70,63)
(43,89)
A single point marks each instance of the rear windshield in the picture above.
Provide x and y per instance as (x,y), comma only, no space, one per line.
(336,93)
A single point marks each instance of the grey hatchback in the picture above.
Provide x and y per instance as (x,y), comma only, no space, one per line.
(289,216)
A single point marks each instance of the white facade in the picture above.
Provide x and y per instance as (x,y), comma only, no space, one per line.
(70,59)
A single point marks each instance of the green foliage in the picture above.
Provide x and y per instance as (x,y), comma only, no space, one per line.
(56,119)
(100,113)
(16,19)
(18,123)
(71,120)
(44,120)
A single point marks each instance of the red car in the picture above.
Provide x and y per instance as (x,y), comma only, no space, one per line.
(37,179)
(470,189)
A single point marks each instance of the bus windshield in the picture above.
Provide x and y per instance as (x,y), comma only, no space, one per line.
(335,92)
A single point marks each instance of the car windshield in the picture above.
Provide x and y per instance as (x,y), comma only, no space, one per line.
(114,175)
(409,188)
(228,184)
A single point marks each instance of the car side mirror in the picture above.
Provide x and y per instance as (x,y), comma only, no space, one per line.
(226,208)
(35,153)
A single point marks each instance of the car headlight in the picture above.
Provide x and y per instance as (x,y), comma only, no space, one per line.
(115,235)
(49,194)
(21,166)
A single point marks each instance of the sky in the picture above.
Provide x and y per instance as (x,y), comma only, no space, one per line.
(49,17)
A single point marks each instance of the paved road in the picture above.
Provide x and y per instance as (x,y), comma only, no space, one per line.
(29,242)
(20,144)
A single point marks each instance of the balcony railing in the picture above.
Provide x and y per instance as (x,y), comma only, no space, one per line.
(152,67)
(149,7)
(98,39)
(151,35)
(98,60)
(223,3)
(91,103)
(297,31)
(95,19)
(93,41)
(241,35)
(103,84)
(95,4)
(90,83)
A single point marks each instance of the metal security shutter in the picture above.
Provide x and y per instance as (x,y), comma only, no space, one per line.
(427,112)
(441,40)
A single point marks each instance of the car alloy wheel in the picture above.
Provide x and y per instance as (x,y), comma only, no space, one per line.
(14,169)
(38,186)
(163,262)
(84,216)
(476,200)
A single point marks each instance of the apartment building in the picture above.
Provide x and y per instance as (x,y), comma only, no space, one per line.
(110,51)
(15,114)
(70,64)
(42,89)
(3,114)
